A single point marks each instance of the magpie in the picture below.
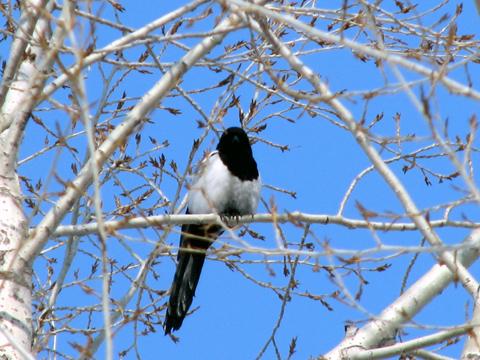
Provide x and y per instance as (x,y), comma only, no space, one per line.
(227,184)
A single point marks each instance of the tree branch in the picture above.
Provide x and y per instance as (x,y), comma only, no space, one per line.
(360,135)
(118,136)
(452,85)
(28,20)
(408,346)
(180,219)
(406,306)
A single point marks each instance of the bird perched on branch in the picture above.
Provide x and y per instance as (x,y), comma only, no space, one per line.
(227,184)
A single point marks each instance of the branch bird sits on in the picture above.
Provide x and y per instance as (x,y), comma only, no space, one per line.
(227,184)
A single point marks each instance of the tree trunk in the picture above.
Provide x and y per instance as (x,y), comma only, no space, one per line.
(16,96)
(15,279)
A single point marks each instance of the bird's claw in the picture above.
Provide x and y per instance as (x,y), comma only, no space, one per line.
(230,220)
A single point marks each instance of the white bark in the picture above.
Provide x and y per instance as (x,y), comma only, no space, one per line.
(296,216)
(15,271)
(409,346)
(471,350)
(15,288)
(405,307)
(25,29)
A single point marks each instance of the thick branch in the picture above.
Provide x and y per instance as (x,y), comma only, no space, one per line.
(21,39)
(471,350)
(408,346)
(115,45)
(363,141)
(452,85)
(406,306)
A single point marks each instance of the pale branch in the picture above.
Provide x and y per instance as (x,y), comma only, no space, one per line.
(79,89)
(414,154)
(406,306)
(357,131)
(112,47)
(421,108)
(408,346)
(117,137)
(472,345)
(451,85)
(23,94)
(28,20)
(352,186)
(286,295)
(137,284)
(428,355)
(471,349)
(293,217)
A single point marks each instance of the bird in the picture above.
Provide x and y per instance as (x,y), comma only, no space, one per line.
(227,183)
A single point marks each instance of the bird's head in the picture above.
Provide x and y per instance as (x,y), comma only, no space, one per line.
(236,153)
(234,141)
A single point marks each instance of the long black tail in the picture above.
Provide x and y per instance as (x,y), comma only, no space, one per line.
(194,242)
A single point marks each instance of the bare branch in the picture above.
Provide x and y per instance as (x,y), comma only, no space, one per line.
(294,217)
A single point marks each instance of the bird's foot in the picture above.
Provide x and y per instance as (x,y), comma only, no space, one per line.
(231,220)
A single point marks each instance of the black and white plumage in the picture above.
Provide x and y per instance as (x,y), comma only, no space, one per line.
(228,184)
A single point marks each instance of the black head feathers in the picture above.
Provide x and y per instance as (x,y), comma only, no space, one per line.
(236,153)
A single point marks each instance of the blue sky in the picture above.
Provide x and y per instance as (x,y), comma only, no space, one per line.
(234,317)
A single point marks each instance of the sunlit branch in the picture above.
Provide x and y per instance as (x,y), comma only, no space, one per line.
(406,306)
(28,21)
(112,47)
(408,346)
(118,136)
(452,85)
(360,135)
(293,217)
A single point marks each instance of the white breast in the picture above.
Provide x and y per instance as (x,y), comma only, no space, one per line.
(217,190)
